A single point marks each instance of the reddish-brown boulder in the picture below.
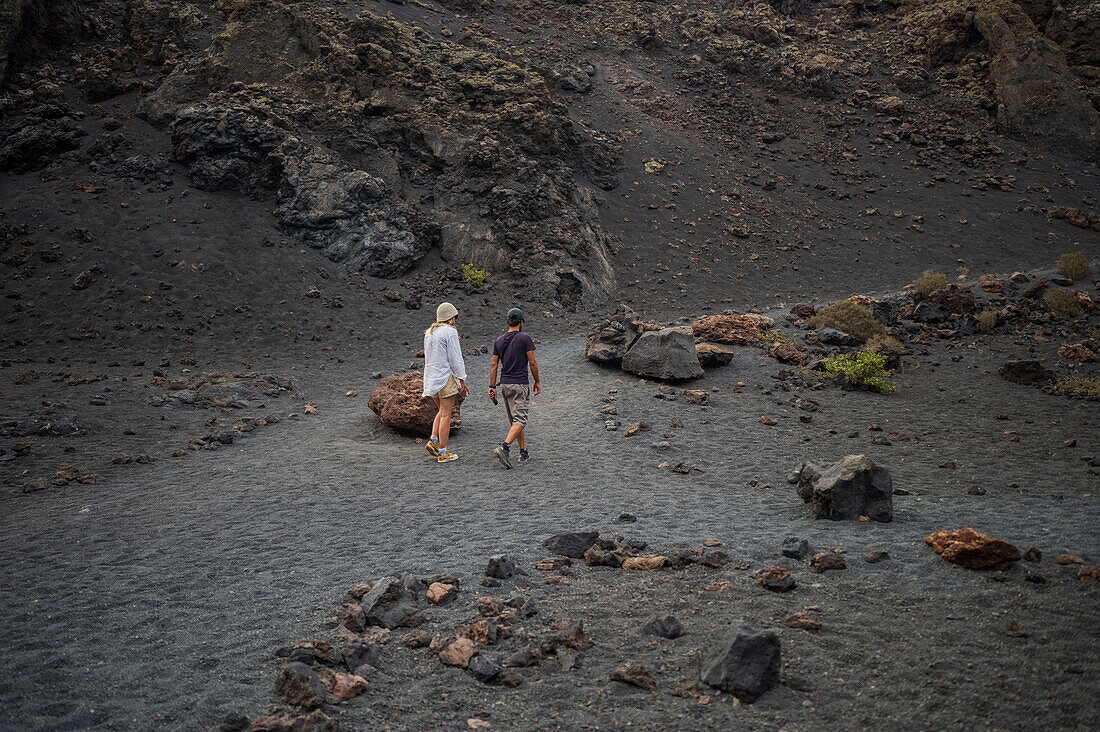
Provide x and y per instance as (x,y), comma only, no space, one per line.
(398,403)
(459,652)
(973,549)
(651,561)
(1077,352)
(787,352)
(956,298)
(635,674)
(736,330)
(991,283)
(342,686)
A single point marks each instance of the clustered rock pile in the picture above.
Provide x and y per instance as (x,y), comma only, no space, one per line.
(889,325)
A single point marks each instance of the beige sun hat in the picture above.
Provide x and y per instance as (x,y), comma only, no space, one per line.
(445,312)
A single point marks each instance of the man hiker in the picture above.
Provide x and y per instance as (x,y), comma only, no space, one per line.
(514,352)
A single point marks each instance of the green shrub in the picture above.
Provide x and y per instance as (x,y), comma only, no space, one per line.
(1073,265)
(987,320)
(474,275)
(929,282)
(850,317)
(863,369)
(1078,386)
(1062,303)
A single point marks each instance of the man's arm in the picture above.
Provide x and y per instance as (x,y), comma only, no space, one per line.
(493,377)
(534,370)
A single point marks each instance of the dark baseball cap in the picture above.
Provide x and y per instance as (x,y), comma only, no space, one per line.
(515,315)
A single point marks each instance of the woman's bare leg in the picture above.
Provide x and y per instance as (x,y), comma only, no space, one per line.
(443,419)
(435,422)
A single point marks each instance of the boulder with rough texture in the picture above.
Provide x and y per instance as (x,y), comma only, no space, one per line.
(1027,372)
(388,604)
(635,674)
(734,330)
(665,626)
(991,283)
(853,487)
(956,298)
(459,652)
(744,662)
(712,356)
(1077,352)
(342,686)
(500,566)
(571,544)
(667,354)
(299,685)
(973,549)
(612,338)
(398,403)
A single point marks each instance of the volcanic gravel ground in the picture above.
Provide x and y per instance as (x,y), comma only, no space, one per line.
(159,598)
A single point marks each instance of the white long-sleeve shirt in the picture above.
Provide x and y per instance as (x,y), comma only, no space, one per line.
(442,359)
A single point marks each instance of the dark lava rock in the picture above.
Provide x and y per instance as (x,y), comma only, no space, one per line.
(571,544)
(713,356)
(627,518)
(956,298)
(665,626)
(834,337)
(1033,555)
(929,312)
(500,566)
(360,652)
(635,674)
(744,662)
(1028,372)
(388,603)
(826,561)
(613,337)
(776,579)
(664,354)
(876,555)
(851,488)
(484,669)
(300,686)
(795,548)
(803,310)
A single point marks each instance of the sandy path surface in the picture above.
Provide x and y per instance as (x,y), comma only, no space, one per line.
(159,601)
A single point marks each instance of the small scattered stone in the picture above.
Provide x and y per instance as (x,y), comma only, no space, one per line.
(802,621)
(776,579)
(635,674)
(665,626)
(876,555)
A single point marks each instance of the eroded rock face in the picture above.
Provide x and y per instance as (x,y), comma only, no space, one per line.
(744,662)
(973,549)
(1035,96)
(571,544)
(398,403)
(853,487)
(327,115)
(667,354)
(300,686)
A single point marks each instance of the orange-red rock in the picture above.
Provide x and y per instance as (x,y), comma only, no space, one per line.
(972,549)
(459,652)
(651,561)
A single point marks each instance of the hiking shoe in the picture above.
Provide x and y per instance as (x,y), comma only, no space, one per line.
(524,456)
(430,447)
(447,458)
(502,456)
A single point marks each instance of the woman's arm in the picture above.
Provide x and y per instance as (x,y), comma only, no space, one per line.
(454,358)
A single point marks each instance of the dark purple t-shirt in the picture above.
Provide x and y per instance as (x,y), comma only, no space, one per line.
(511,349)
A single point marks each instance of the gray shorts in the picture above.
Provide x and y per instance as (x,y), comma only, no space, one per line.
(517,399)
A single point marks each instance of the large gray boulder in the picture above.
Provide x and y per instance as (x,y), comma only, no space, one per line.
(853,487)
(667,354)
(744,662)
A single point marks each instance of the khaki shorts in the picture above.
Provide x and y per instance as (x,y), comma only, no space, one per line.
(517,399)
(449,389)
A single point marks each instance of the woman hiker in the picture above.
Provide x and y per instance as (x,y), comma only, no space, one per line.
(444,377)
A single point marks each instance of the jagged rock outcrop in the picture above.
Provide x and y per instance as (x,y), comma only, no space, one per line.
(380,141)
